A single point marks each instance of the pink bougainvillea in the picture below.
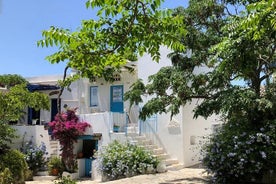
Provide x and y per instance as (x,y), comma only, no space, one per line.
(66,128)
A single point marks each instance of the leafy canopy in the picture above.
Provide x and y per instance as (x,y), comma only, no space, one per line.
(124,30)
(221,55)
(13,102)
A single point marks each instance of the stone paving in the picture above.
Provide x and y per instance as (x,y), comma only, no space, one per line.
(183,176)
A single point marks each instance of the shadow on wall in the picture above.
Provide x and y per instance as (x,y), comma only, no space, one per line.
(174,130)
(174,127)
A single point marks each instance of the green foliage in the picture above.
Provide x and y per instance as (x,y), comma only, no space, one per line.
(16,99)
(124,30)
(7,134)
(260,21)
(13,102)
(224,50)
(174,86)
(220,55)
(6,176)
(124,160)
(55,163)
(14,160)
(65,180)
(134,96)
(10,80)
(240,153)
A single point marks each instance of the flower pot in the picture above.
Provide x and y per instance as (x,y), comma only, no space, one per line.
(55,172)
(80,155)
(116,129)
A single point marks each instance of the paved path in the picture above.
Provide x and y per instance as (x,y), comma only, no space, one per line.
(183,176)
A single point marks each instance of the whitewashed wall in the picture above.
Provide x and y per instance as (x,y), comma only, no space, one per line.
(180,136)
(79,96)
(37,134)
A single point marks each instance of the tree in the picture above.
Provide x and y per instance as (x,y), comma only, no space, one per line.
(13,102)
(219,44)
(203,21)
(124,30)
(230,48)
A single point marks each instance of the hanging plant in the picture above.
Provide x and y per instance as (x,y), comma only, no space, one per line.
(66,129)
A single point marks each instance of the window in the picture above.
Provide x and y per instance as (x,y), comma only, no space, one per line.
(117,77)
(94,96)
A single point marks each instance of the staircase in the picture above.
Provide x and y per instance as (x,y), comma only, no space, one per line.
(143,141)
(54,147)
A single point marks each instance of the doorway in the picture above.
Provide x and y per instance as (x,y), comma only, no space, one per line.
(90,146)
(116,98)
(54,108)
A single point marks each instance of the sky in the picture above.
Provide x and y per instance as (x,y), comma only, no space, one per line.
(21,26)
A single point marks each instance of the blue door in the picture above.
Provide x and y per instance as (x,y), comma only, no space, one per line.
(89,148)
(88,166)
(116,98)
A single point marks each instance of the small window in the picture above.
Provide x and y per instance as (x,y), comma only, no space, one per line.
(94,96)
(117,77)
(192,140)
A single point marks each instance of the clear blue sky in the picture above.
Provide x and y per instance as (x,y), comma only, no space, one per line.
(21,24)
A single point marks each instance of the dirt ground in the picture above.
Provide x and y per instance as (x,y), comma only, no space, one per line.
(183,176)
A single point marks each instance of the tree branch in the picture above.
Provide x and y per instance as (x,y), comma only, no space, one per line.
(62,88)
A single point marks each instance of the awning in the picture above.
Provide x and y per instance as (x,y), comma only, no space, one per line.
(90,137)
(41,87)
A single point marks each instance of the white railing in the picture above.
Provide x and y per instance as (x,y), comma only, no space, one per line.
(118,122)
(149,128)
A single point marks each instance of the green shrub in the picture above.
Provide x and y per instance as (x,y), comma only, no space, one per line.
(15,162)
(6,176)
(124,160)
(241,153)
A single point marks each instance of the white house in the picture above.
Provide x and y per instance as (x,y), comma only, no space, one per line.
(176,140)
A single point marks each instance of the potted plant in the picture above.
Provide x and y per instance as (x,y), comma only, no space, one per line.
(116,128)
(55,166)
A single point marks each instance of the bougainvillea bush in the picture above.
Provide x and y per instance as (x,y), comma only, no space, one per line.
(66,128)
(124,160)
(240,153)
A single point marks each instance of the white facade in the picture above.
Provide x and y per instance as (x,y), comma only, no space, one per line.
(180,136)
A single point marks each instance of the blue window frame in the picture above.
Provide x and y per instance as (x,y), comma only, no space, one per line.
(94,99)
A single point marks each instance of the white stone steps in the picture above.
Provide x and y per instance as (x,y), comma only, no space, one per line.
(44,178)
(143,141)
(175,167)
(170,162)
(158,151)
(54,147)
(149,147)
(161,156)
